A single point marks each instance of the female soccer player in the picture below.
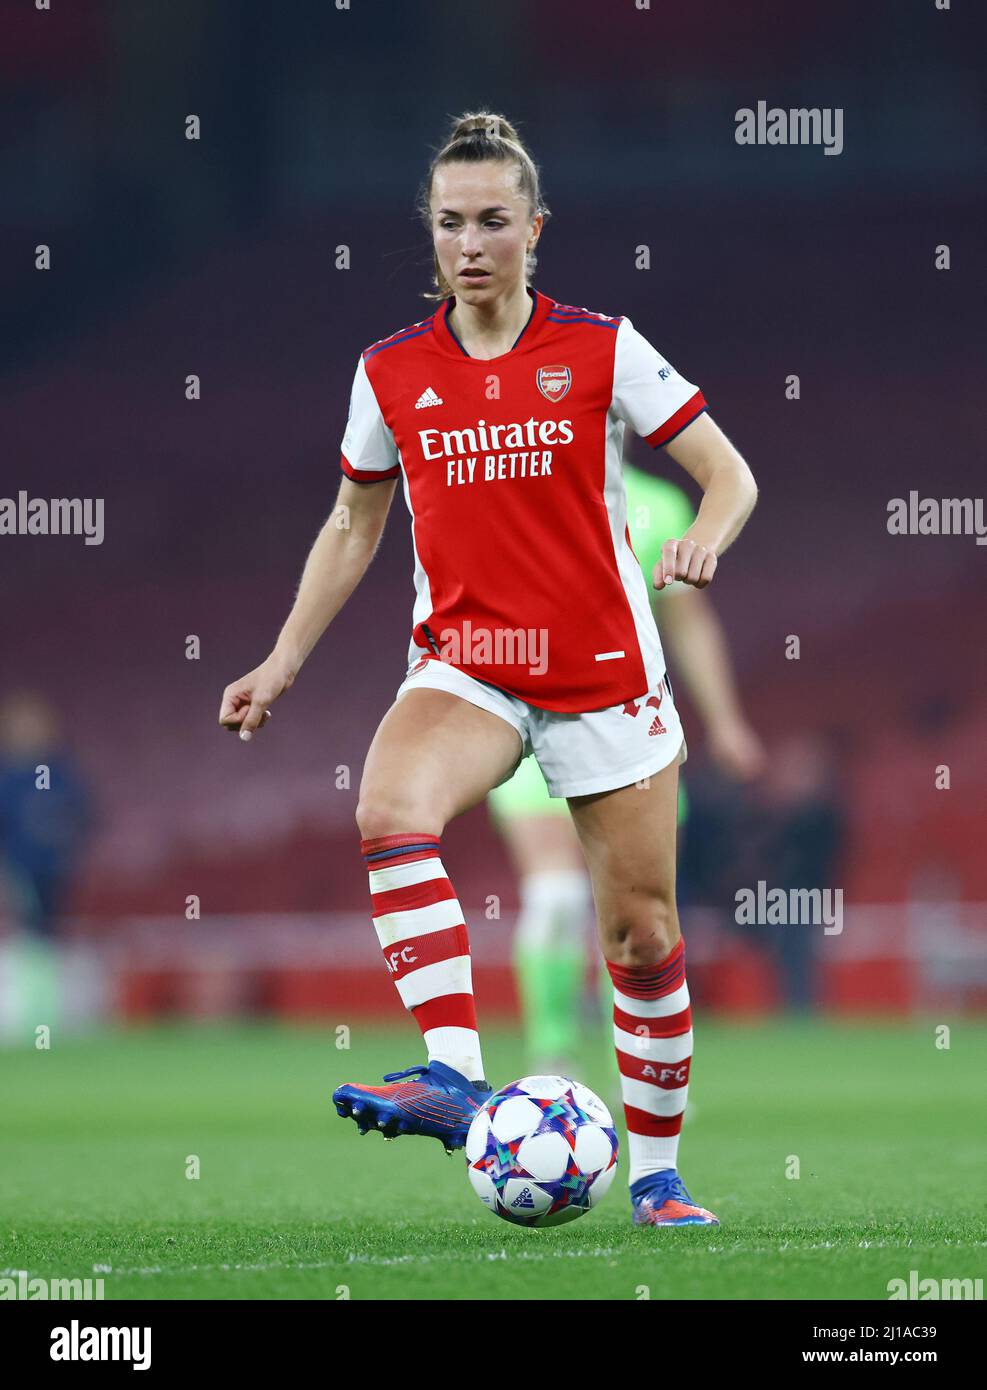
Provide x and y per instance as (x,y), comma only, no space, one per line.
(503,414)
(549,940)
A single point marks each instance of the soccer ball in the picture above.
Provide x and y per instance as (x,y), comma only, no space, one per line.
(542,1151)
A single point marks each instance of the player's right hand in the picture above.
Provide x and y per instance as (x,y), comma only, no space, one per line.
(245,706)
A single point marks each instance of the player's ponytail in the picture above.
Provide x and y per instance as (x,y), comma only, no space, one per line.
(477,136)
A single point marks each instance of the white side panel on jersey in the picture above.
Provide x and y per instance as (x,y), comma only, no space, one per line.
(647,390)
(631,576)
(423,592)
(368,442)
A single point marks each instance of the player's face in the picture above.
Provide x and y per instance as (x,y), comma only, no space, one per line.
(481,228)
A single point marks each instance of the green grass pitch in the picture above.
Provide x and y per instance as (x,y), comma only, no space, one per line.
(95,1136)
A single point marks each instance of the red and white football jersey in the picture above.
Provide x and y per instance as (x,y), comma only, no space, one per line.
(511,466)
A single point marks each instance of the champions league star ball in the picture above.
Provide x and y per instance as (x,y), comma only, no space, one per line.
(542,1151)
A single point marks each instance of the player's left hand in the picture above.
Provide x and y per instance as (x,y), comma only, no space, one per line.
(686,561)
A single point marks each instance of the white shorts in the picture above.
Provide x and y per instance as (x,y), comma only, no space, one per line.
(578,753)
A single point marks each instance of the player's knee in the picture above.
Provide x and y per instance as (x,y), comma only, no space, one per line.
(395,813)
(641,931)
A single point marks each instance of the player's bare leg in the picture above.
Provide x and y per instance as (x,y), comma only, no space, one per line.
(434,756)
(628,837)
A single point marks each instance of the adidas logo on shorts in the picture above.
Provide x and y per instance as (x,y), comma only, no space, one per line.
(427,398)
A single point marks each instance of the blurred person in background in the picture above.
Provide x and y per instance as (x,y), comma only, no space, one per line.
(791,837)
(44,819)
(550,941)
(786,830)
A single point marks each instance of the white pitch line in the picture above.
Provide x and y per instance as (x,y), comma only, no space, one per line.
(490,1257)
(354,1258)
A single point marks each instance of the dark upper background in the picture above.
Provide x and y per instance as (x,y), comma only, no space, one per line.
(217,257)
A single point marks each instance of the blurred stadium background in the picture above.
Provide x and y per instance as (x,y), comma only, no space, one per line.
(218,257)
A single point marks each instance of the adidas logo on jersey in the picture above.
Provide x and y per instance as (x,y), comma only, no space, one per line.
(427,398)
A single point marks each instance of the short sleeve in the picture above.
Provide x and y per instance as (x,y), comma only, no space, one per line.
(369,453)
(648,393)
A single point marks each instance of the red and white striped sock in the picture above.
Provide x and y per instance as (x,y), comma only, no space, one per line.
(422,932)
(652,1032)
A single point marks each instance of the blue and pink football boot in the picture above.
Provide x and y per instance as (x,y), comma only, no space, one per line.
(662,1199)
(440,1104)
